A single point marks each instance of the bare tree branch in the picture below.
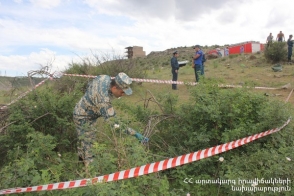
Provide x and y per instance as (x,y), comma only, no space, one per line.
(7,126)
(40,117)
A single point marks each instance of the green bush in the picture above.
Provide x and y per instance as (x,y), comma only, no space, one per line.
(276,52)
(39,147)
(215,116)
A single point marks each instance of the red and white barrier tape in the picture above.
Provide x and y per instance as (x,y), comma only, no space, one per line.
(24,94)
(172,82)
(134,79)
(149,168)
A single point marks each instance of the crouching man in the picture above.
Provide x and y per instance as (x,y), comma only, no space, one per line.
(96,103)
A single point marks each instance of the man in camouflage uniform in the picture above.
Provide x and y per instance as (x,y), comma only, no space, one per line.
(96,103)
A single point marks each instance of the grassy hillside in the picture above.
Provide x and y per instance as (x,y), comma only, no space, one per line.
(246,70)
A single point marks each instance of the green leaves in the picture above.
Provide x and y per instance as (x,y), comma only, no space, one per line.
(215,116)
(276,52)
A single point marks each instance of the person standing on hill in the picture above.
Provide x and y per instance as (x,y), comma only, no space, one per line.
(175,68)
(290,47)
(227,51)
(197,62)
(280,37)
(96,103)
(269,40)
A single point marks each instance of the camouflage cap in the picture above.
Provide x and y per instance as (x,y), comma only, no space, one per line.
(124,82)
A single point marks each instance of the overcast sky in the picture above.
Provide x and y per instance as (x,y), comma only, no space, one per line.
(37,32)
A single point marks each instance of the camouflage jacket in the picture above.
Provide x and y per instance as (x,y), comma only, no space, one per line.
(96,101)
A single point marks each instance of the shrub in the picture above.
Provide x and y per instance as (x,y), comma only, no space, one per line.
(276,52)
(39,147)
(215,116)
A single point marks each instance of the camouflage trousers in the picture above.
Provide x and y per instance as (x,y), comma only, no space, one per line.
(86,136)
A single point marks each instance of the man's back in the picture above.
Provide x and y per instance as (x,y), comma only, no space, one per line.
(96,100)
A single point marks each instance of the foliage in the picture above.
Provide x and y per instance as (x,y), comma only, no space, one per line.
(215,116)
(276,52)
(40,148)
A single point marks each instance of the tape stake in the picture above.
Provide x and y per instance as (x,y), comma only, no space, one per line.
(289,96)
(148,168)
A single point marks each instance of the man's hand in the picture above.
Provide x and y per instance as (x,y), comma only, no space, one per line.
(145,140)
(141,138)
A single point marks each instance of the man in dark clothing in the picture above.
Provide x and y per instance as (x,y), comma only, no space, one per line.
(175,68)
(290,47)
